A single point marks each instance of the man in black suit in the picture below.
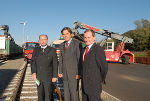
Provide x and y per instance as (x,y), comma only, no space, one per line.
(68,65)
(44,68)
(93,68)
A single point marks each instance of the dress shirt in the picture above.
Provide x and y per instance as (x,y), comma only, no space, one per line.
(68,42)
(44,47)
(89,49)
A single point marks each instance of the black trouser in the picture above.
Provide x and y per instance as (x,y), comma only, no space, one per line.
(94,96)
(44,91)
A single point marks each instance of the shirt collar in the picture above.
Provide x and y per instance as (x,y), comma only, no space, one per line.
(90,45)
(69,41)
(44,47)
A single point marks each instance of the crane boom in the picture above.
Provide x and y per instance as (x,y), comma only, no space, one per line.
(5,28)
(103,32)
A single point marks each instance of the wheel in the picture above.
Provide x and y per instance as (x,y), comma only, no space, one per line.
(125,59)
(25,59)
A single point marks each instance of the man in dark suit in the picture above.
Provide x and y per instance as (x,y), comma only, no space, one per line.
(44,68)
(93,68)
(68,65)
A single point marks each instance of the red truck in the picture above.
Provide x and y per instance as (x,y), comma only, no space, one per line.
(118,55)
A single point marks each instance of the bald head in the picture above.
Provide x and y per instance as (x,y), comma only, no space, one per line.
(43,39)
(43,35)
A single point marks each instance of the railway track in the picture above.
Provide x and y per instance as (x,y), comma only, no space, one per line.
(2,61)
(28,88)
(11,91)
(23,88)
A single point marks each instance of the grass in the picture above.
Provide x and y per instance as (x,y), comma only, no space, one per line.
(140,54)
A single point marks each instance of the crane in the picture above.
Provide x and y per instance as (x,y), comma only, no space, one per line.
(120,55)
(6,29)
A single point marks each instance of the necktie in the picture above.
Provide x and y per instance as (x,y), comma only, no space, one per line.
(66,47)
(86,51)
(43,49)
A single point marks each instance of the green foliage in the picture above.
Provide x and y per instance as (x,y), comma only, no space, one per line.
(143,23)
(141,36)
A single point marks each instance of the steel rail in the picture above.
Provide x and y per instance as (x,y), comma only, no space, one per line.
(15,92)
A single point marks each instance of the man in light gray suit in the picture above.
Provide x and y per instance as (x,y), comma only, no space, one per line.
(68,65)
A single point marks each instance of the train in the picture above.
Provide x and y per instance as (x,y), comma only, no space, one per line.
(28,49)
(8,47)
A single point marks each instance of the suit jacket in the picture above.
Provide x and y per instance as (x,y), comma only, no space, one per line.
(69,60)
(44,64)
(94,69)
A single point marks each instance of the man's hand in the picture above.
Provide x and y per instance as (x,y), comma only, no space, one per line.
(54,79)
(103,82)
(60,75)
(34,77)
(78,76)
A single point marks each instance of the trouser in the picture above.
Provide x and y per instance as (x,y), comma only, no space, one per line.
(71,90)
(44,91)
(91,97)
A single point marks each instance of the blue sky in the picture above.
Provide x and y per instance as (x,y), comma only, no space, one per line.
(50,16)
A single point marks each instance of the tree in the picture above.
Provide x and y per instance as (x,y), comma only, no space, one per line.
(143,23)
(141,38)
(138,24)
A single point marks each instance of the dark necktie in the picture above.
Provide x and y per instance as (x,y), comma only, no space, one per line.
(43,49)
(66,47)
(86,51)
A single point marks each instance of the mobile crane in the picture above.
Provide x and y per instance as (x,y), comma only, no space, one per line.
(119,55)
(6,29)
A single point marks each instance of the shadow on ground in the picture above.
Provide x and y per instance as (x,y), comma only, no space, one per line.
(6,75)
(16,57)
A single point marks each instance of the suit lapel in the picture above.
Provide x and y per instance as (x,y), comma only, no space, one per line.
(63,48)
(83,50)
(71,44)
(40,50)
(46,50)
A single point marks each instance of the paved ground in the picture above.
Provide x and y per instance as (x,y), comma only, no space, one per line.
(125,82)
(128,82)
(8,69)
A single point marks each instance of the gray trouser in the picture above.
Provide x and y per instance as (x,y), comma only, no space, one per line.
(71,90)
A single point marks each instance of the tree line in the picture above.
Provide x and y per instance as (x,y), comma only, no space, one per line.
(140,36)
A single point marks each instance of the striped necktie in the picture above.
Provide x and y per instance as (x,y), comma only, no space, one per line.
(66,46)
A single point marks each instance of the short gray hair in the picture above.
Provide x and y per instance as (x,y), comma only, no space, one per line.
(44,35)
